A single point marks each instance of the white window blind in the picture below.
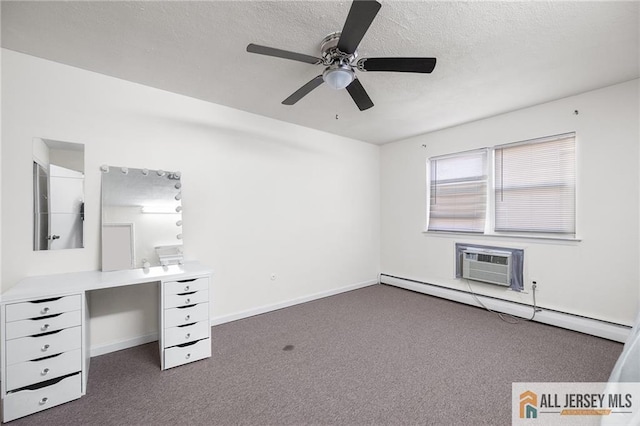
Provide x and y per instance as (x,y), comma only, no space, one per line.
(535,185)
(457,192)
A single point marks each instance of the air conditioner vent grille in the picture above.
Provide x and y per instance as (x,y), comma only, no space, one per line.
(500,260)
(487,266)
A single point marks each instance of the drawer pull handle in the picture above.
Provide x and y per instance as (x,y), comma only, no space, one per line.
(186,302)
(187,317)
(44,400)
(188,356)
(44,327)
(187,336)
(186,288)
(44,348)
(44,311)
(45,371)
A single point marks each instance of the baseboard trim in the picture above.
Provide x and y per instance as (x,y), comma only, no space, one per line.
(280,305)
(607,330)
(122,344)
(141,340)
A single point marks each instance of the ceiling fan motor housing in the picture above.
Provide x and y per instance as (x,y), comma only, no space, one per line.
(331,54)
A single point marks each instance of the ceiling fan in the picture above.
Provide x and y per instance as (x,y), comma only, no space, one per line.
(340,57)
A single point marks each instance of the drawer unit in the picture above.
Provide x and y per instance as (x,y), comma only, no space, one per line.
(186,286)
(35,347)
(29,372)
(186,330)
(42,359)
(187,333)
(184,354)
(27,401)
(33,326)
(176,300)
(43,307)
(182,316)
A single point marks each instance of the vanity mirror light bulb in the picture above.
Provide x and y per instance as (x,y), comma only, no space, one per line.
(178,185)
(179,223)
(178,197)
(179,236)
(160,173)
(104,168)
(177,175)
(145,172)
(124,170)
(179,209)
(157,209)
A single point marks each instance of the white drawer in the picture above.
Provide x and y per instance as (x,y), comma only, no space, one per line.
(182,316)
(187,333)
(28,348)
(30,372)
(185,286)
(179,355)
(44,307)
(175,300)
(29,327)
(24,402)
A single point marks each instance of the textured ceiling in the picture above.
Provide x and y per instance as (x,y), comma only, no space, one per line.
(493,57)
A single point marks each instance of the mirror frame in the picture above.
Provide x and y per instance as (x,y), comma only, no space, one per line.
(141,218)
(58,178)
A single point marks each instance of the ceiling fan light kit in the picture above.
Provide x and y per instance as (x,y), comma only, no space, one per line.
(339,54)
(338,76)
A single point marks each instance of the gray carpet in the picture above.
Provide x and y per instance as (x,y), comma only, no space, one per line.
(378,355)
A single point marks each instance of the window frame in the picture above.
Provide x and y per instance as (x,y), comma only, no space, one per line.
(486,175)
(490,213)
(533,142)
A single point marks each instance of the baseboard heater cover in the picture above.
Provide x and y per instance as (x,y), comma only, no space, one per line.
(594,327)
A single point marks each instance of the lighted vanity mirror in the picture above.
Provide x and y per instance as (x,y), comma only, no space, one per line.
(141,218)
(58,195)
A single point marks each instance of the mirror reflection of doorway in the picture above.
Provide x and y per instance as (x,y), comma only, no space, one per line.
(40,207)
(58,195)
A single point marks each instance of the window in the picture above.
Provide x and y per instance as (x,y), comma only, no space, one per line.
(535,186)
(534,189)
(458,187)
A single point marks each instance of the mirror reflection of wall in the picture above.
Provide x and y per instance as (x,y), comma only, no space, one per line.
(141,218)
(58,195)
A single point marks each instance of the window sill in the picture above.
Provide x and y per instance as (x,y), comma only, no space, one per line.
(503,236)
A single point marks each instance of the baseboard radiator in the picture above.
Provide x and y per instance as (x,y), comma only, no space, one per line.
(607,330)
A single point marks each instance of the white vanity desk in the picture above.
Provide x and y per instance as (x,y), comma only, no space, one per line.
(44,327)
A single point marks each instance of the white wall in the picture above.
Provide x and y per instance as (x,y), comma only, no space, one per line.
(597,277)
(260,196)
(41,152)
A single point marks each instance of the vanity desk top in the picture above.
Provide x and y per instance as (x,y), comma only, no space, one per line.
(75,282)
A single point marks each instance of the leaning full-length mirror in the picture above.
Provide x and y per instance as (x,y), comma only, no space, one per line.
(141,218)
(58,195)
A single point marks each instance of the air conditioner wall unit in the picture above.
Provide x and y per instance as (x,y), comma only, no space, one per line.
(489,266)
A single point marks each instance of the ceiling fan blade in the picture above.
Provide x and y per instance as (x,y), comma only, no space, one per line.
(279,53)
(359,95)
(303,91)
(424,65)
(358,21)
